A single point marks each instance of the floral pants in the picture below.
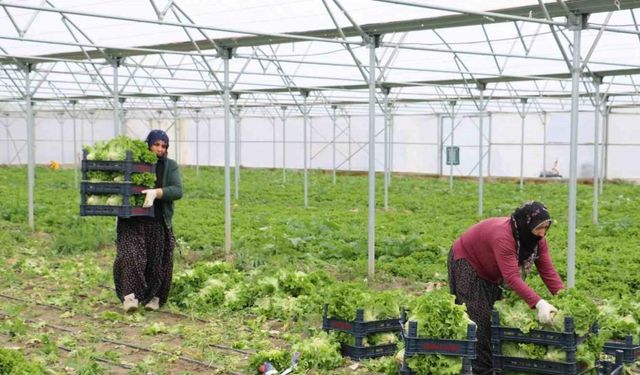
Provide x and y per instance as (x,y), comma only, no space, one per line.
(144,259)
(479,296)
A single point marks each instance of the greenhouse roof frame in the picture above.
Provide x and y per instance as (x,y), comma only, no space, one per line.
(96,55)
(358,34)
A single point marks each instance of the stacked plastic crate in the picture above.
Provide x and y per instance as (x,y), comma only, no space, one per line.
(126,188)
(359,329)
(567,340)
(415,345)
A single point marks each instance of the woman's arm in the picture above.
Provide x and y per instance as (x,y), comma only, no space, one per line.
(508,264)
(546,269)
(172,190)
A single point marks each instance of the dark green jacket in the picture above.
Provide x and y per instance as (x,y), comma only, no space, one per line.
(171,189)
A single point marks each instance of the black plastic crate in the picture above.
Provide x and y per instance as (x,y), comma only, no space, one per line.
(357,353)
(535,366)
(360,329)
(611,368)
(567,340)
(124,188)
(127,166)
(460,348)
(120,211)
(414,345)
(630,352)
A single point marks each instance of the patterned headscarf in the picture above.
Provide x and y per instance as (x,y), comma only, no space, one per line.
(524,220)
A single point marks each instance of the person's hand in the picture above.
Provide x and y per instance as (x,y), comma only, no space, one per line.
(151,195)
(546,311)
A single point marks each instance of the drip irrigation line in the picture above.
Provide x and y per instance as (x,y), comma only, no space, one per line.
(218,346)
(103,360)
(128,345)
(68,350)
(224,347)
(182,315)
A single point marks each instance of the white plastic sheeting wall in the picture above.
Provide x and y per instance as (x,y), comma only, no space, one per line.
(415,142)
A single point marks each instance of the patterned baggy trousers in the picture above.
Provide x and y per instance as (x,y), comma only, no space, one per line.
(479,296)
(144,259)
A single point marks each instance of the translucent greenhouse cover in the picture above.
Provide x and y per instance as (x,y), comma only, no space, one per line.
(429,52)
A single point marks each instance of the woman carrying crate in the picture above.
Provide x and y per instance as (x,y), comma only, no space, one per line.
(143,267)
(499,251)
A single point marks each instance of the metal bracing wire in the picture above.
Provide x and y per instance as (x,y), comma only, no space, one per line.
(365,37)
(490,16)
(132,75)
(211,71)
(392,58)
(292,37)
(161,13)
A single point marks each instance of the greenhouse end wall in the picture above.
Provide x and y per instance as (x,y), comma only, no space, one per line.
(414,148)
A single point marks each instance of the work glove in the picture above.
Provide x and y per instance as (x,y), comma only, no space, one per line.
(546,311)
(151,195)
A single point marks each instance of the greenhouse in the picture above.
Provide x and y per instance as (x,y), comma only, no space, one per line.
(324,156)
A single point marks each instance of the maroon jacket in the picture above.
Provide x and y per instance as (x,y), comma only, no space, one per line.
(490,248)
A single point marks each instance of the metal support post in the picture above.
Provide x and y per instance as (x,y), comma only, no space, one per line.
(7,145)
(453,120)
(576,23)
(371,243)
(605,143)
(115,63)
(387,113)
(597,80)
(310,127)
(391,138)
(523,116)
(349,140)
(544,144)
(237,142)
(440,146)
(305,117)
(333,153)
(197,111)
(209,140)
(75,142)
(284,144)
(481,87)
(176,128)
(225,54)
(61,123)
(273,139)
(31,167)
(489,145)
(123,116)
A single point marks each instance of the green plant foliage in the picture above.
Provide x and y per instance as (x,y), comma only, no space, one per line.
(320,351)
(287,261)
(438,316)
(116,148)
(13,362)
(570,303)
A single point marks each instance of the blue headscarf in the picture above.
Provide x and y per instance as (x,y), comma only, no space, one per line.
(155,135)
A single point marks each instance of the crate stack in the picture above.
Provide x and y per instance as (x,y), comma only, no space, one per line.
(630,351)
(127,189)
(414,345)
(567,340)
(611,368)
(359,330)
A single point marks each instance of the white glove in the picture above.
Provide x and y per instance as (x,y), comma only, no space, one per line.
(151,195)
(546,311)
